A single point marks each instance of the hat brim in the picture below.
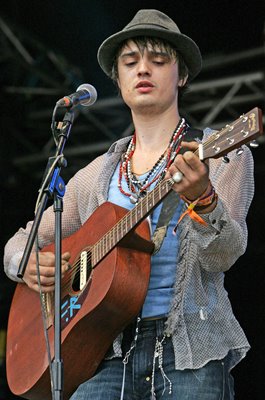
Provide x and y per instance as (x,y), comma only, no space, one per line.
(182,43)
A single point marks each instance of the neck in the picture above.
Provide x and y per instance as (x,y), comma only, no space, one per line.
(153,132)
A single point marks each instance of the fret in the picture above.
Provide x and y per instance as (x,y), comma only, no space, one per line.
(94,255)
(160,190)
(134,215)
(228,138)
(138,212)
(104,244)
(130,220)
(149,200)
(127,227)
(140,205)
(153,198)
(119,230)
(102,247)
(112,237)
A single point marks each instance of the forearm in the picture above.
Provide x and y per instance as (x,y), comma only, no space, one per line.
(224,239)
(221,242)
(70,222)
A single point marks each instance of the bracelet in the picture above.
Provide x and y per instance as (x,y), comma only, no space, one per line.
(200,206)
(203,199)
(202,202)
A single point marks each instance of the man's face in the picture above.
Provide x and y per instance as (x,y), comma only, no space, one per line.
(148,79)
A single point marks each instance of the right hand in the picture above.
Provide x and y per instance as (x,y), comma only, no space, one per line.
(47,271)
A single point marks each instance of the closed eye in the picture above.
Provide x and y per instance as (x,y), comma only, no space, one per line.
(130,64)
(159,62)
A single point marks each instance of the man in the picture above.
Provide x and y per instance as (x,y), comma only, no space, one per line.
(186,339)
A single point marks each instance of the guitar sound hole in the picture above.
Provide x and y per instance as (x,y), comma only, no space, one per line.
(83,272)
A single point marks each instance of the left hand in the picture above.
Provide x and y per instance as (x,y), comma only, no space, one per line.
(195,173)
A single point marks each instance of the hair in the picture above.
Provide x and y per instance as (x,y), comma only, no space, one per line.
(142,42)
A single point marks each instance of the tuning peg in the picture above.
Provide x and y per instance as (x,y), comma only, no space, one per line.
(226,159)
(254,144)
(239,151)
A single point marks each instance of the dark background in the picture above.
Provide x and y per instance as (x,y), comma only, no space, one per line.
(74,30)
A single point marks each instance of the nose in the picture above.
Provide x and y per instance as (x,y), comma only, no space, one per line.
(144,67)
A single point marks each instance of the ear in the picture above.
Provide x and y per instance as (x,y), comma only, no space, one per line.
(182,81)
(118,83)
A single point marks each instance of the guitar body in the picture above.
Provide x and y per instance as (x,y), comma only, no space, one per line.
(91,318)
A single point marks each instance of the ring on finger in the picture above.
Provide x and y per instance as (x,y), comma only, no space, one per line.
(177,177)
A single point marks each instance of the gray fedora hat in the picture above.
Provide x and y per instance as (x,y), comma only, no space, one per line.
(152,23)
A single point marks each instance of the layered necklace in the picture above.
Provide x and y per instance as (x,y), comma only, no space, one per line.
(136,187)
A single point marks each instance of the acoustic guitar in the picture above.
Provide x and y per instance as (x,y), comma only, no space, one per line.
(104,289)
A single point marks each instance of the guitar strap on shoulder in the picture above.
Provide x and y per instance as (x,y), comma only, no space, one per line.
(171,202)
(168,209)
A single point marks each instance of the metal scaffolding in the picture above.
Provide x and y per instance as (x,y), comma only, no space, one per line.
(38,77)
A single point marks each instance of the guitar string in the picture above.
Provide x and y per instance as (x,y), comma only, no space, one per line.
(110,235)
(222,133)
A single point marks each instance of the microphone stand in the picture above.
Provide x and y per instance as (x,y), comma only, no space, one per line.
(55,188)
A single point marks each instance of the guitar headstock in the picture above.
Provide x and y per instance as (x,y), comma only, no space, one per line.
(232,136)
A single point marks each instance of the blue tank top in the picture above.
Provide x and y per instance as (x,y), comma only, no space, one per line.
(163,264)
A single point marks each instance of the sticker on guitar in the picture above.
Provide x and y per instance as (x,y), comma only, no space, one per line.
(68,308)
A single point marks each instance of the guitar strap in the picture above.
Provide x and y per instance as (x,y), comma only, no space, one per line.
(171,201)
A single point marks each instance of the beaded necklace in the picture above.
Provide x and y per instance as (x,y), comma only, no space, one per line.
(138,188)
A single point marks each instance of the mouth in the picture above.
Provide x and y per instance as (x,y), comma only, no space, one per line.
(144,84)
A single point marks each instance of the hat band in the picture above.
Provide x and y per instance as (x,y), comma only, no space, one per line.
(146,26)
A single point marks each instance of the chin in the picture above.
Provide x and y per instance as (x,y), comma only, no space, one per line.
(145,104)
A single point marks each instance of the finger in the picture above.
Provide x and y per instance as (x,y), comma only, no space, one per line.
(46,281)
(193,161)
(66,256)
(177,177)
(46,259)
(193,146)
(180,165)
(190,165)
(66,266)
(32,281)
(47,289)
(47,272)
(44,289)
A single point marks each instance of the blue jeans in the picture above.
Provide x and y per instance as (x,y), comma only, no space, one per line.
(211,382)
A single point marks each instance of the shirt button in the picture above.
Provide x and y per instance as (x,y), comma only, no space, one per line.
(147,378)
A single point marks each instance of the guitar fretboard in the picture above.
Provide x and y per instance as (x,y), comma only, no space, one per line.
(130,220)
(243,130)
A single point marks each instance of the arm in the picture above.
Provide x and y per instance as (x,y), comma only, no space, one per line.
(76,201)
(15,246)
(224,239)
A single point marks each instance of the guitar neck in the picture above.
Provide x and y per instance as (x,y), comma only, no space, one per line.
(131,219)
(242,130)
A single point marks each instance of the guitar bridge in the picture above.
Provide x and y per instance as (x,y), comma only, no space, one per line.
(83,270)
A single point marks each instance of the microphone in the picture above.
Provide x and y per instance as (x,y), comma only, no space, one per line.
(85,95)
